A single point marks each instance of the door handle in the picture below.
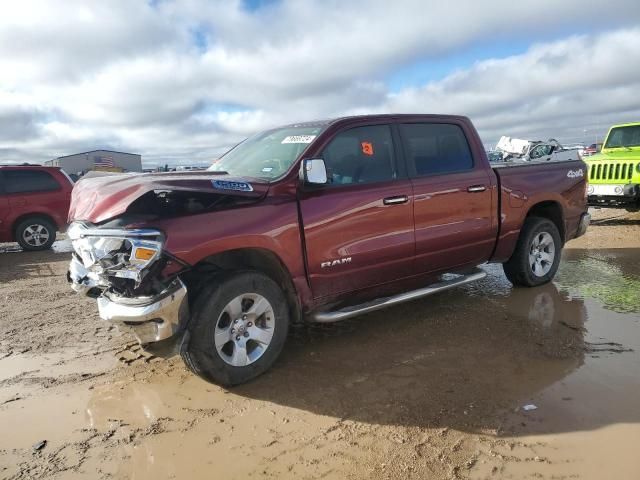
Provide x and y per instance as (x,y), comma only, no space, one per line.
(476,188)
(395,200)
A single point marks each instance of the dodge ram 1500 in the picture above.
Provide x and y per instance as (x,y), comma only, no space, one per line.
(317,221)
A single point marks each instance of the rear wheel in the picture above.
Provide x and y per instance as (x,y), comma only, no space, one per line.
(536,258)
(35,233)
(237,329)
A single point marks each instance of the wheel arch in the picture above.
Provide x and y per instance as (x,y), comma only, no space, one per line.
(249,258)
(551,210)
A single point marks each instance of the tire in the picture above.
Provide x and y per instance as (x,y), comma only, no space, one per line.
(223,321)
(35,233)
(536,258)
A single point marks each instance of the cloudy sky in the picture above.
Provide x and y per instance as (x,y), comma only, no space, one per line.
(181,81)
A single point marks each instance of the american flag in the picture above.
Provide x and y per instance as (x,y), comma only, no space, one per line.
(103,162)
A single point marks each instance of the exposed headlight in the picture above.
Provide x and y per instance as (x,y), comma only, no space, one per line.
(116,252)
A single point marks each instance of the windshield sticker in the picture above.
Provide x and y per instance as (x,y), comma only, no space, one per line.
(227,185)
(367,148)
(267,169)
(298,139)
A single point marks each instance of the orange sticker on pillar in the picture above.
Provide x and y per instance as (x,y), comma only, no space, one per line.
(367,148)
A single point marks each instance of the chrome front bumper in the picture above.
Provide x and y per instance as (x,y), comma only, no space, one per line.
(150,319)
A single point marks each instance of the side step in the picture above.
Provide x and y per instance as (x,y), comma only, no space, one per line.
(380,303)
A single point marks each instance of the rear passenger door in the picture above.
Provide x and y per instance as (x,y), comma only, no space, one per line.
(453,211)
(358,229)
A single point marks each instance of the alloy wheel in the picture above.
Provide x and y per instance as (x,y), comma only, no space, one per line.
(542,254)
(36,235)
(244,329)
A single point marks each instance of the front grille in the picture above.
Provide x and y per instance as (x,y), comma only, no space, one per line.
(618,171)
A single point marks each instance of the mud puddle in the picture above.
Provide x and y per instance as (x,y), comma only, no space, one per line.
(53,364)
(430,389)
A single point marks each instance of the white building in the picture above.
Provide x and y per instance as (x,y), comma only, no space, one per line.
(106,160)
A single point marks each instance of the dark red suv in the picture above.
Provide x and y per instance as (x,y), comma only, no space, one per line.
(34,203)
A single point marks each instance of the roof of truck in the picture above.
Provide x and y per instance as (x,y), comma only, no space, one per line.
(383,116)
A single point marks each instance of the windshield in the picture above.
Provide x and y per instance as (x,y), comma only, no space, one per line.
(267,154)
(624,137)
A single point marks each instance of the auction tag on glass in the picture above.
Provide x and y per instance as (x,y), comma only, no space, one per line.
(298,139)
(367,148)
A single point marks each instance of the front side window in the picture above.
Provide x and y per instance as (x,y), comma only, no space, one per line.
(22,181)
(360,155)
(267,154)
(624,137)
(435,148)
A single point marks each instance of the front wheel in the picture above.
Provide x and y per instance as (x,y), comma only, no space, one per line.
(536,258)
(237,329)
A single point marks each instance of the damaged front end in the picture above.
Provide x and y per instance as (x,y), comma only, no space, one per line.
(124,269)
(121,259)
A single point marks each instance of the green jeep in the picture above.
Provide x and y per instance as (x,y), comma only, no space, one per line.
(614,173)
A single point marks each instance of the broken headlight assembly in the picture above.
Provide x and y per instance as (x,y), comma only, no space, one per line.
(121,253)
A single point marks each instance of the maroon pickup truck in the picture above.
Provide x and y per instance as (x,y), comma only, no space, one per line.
(317,221)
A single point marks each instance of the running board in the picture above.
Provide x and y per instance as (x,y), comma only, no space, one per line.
(380,303)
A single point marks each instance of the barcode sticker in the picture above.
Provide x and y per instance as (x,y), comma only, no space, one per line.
(298,139)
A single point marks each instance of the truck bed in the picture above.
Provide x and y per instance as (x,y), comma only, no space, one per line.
(524,184)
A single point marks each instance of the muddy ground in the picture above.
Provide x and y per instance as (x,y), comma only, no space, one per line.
(430,389)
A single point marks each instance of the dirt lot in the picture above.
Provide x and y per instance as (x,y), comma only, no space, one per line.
(430,389)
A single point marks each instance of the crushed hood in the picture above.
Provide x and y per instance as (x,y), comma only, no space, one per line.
(101,198)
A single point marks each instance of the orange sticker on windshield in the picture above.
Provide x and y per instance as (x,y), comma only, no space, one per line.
(367,148)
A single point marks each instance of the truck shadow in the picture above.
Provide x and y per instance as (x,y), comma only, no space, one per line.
(608,222)
(462,359)
(619,218)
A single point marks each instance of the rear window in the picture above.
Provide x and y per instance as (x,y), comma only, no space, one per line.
(21,181)
(436,148)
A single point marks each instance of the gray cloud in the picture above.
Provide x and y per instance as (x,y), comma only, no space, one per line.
(128,75)
(594,81)
(18,124)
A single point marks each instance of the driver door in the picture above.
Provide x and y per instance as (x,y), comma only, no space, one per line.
(358,229)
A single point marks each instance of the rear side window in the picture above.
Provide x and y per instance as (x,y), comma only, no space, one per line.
(361,155)
(20,181)
(435,148)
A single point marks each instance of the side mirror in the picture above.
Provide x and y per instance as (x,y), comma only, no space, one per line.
(314,171)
